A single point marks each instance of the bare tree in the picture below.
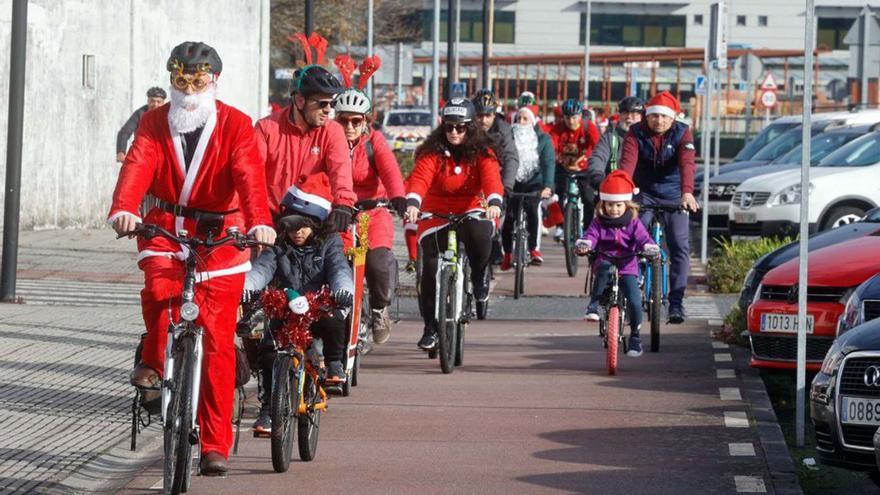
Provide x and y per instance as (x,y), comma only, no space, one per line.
(342,22)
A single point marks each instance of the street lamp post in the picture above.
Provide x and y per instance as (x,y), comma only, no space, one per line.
(588,11)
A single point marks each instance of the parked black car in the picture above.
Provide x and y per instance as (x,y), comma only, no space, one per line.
(862,306)
(845,400)
(870,224)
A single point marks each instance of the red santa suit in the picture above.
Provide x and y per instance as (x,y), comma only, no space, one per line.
(440,185)
(380,180)
(225,175)
(292,154)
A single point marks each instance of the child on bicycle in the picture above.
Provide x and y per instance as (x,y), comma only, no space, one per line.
(308,257)
(617,231)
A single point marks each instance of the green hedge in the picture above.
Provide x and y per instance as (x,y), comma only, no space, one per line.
(406,161)
(731,261)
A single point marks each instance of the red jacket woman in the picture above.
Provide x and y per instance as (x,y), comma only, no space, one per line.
(456,172)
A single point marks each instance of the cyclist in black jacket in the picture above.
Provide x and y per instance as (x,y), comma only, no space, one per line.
(606,154)
(155,99)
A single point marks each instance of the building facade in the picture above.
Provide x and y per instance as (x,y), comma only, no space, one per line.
(89,65)
(557,26)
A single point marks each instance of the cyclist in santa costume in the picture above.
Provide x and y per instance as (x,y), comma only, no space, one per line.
(376,176)
(198,157)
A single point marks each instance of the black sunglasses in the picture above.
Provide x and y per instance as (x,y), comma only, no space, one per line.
(459,128)
(323,103)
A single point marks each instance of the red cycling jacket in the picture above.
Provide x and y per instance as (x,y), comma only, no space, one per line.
(291,155)
(382,181)
(572,145)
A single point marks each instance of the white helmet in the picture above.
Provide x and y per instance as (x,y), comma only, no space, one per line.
(353,101)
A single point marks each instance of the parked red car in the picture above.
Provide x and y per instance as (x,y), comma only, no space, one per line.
(834,273)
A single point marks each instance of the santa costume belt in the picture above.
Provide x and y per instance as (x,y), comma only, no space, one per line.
(192,213)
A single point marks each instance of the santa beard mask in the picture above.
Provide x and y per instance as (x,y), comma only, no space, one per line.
(189,112)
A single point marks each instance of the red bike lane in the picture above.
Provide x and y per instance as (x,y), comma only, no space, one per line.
(532,410)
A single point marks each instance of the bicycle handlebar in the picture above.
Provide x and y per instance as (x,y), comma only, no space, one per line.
(663,208)
(369,204)
(532,194)
(455,218)
(233,236)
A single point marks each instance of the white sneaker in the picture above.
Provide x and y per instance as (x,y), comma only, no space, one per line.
(557,235)
(591,316)
(634,353)
(544,231)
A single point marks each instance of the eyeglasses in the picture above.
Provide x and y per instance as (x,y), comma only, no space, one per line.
(350,121)
(322,103)
(197,81)
(459,128)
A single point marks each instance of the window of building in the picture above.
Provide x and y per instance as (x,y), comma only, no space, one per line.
(644,30)
(698,20)
(831,31)
(762,20)
(471,29)
(740,20)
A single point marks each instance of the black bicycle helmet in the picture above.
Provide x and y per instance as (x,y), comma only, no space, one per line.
(156,92)
(631,104)
(572,107)
(194,56)
(485,102)
(314,80)
(458,110)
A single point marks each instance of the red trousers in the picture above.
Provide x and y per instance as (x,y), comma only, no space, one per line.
(218,301)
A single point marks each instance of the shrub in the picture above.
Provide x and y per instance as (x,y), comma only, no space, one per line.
(406,161)
(731,261)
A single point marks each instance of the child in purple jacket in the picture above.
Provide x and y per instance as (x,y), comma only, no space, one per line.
(617,231)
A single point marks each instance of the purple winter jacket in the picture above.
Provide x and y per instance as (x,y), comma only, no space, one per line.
(618,241)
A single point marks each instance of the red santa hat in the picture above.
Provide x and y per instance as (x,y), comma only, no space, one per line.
(617,186)
(309,197)
(664,104)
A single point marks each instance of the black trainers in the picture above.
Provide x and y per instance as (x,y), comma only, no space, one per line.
(676,313)
(429,339)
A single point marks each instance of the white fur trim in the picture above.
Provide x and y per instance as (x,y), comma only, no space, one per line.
(615,197)
(118,214)
(205,276)
(414,196)
(495,196)
(260,227)
(148,253)
(311,198)
(662,110)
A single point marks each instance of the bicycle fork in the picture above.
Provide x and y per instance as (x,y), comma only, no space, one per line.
(452,260)
(174,334)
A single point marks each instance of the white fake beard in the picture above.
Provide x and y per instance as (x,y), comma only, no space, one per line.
(189,112)
(526,141)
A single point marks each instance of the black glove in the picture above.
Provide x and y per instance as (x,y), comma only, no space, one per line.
(399,205)
(343,298)
(340,218)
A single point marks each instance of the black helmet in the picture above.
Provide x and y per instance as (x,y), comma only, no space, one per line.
(485,102)
(313,80)
(631,104)
(571,107)
(194,56)
(156,92)
(458,110)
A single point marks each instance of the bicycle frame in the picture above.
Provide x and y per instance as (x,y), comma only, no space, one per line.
(656,232)
(573,190)
(451,259)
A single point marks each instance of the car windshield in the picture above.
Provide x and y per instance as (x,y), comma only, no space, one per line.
(409,118)
(820,147)
(858,153)
(769,133)
(779,146)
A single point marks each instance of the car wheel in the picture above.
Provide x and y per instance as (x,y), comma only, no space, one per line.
(842,215)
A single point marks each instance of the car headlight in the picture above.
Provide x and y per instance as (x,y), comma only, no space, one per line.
(832,359)
(852,312)
(789,195)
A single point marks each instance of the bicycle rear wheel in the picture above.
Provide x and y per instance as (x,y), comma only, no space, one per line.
(612,332)
(179,418)
(284,402)
(446,324)
(309,423)
(571,233)
(656,304)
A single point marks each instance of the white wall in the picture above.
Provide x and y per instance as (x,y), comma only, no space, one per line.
(69,168)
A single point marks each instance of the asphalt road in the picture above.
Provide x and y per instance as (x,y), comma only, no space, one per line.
(531,411)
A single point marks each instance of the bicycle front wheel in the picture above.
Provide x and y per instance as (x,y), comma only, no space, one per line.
(179,420)
(446,324)
(611,339)
(519,260)
(656,304)
(284,403)
(309,423)
(571,233)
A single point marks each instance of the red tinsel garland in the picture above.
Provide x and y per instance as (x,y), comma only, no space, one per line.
(295,331)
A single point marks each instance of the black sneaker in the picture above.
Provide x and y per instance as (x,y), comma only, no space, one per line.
(676,313)
(428,340)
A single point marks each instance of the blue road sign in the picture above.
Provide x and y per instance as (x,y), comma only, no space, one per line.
(700,85)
